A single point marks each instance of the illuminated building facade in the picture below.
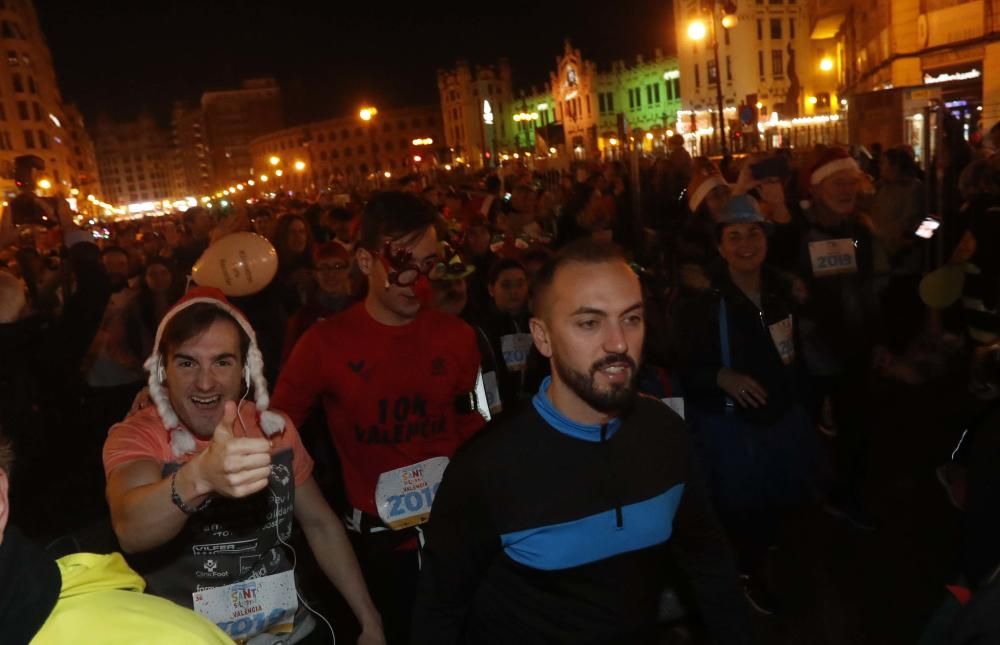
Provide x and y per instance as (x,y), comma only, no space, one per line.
(778,83)
(33,119)
(475,105)
(135,160)
(898,60)
(190,151)
(348,150)
(232,119)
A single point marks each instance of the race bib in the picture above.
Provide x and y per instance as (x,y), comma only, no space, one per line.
(781,334)
(830,257)
(492,393)
(675,403)
(515,348)
(404,496)
(245,609)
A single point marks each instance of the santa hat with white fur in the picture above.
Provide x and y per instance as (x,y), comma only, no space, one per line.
(702,183)
(829,162)
(181,440)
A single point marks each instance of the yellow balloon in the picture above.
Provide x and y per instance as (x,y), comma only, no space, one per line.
(239,264)
(942,288)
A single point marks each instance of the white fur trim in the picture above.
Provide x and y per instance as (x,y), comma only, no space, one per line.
(829,168)
(181,440)
(706,186)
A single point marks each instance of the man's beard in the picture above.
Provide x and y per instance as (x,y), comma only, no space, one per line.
(616,398)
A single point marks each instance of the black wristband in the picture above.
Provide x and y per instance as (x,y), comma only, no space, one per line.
(176,499)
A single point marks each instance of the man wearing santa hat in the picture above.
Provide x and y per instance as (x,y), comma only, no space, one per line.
(203,484)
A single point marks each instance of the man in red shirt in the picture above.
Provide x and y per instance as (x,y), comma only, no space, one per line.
(395,379)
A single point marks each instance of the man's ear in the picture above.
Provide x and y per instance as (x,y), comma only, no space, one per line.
(365,260)
(540,336)
(4,502)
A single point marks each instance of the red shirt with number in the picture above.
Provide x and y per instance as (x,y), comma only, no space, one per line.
(389,392)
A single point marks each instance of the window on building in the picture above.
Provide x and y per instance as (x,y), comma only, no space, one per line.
(777,63)
(38,111)
(321,137)
(29,139)
(348,152)
(401,125)
(670,91)
(334,154)
(22,110)
(611,107)
(791,28)
(760,63)
(389,145)
(775,28)
(713,72)
(656,92)
(697,76)
(776,1)
(638,97)
(729,68)
(18,82)
(677,88)
(649,94)
(631,99)
(31,85)
(725,35)
(760,29)
(601,105)
(43,139)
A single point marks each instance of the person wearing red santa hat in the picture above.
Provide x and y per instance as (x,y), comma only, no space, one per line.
(841,318)
(203,484)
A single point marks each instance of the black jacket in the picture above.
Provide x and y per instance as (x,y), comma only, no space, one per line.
(545,535)
(752,348)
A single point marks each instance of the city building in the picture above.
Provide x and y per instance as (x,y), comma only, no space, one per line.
(135,160)
(583,112)
(778,84)
(33,119)
(83,156)
(904,65)
(190,151)
(473,102)
(233,118)
(350,150)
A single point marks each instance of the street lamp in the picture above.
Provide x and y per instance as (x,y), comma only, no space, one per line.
(300,166)
(826,64)
(697,31)
(367,114)
(274,161)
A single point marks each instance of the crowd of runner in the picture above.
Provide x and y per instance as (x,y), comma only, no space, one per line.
(575,368)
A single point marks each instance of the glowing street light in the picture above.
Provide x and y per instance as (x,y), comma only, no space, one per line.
(263,179)
(367,113)
(611,142)
(826,64)
(278,173)
(239,186)
(697,30)
(250,182)
(300,166)
(729,20)
(649,136)
(44,184)
(274,161)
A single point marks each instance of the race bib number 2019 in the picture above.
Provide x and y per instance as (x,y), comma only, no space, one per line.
(830,257)
(245,609)
(404,496)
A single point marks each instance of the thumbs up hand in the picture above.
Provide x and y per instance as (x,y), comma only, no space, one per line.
(233,466)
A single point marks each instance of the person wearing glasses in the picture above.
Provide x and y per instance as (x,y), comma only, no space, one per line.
(394,376)
(332,263)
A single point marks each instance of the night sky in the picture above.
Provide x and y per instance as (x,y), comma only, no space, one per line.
(118,57)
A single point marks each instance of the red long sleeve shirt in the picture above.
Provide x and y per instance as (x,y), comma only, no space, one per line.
(388,392)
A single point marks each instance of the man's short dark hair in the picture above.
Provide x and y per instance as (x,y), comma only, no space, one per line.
(582,251)
(108,250)
(394,214)
(194,320)
(504,264)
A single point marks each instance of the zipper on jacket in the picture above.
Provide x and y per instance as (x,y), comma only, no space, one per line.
(619,521)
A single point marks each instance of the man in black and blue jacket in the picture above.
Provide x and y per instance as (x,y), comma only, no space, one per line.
(555,525)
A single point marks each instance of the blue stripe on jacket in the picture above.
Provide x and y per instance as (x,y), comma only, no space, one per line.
(596,537)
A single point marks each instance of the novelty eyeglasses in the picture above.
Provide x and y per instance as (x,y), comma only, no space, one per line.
(402,271)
